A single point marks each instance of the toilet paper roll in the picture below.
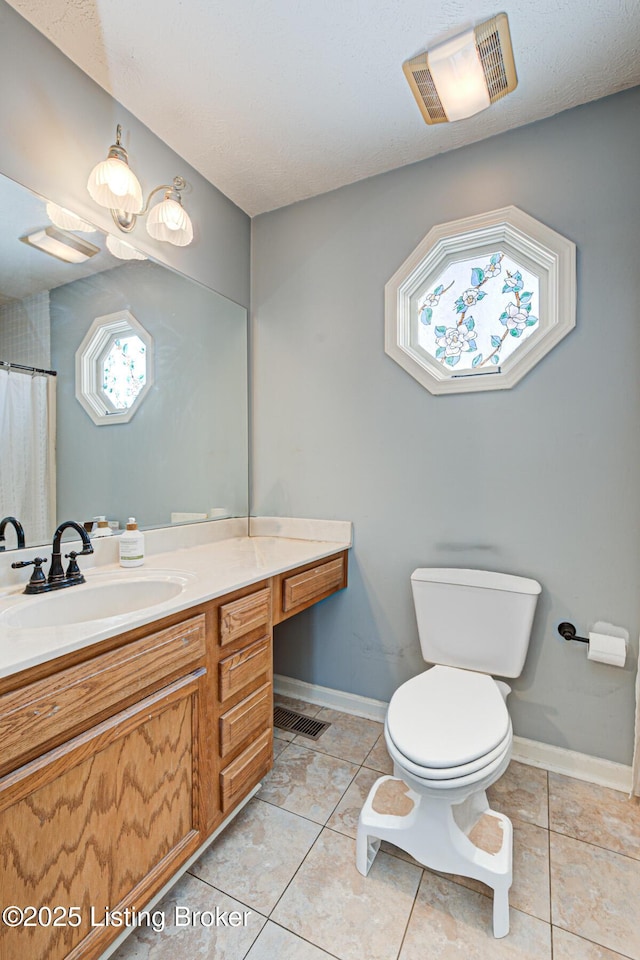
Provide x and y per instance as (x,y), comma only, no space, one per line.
(606,648)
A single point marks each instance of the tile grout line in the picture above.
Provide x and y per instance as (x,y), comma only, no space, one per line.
(310,942)
(601,946)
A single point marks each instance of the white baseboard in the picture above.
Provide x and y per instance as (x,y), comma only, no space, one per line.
(581,766)
(326,697)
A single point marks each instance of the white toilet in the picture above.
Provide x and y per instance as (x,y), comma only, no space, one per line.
(449,734)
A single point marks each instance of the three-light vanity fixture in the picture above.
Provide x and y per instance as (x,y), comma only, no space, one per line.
(113,184)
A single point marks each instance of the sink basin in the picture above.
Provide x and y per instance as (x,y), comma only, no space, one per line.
(94,601)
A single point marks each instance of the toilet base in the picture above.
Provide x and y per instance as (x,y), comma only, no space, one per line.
(466,838)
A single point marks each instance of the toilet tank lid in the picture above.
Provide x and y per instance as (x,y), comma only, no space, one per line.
(477,578)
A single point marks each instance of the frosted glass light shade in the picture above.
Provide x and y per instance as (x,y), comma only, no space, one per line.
(169,221)
(458,76)
(122,250)
(113,184)
(66,220)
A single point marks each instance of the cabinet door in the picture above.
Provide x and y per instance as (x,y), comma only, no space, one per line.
(100,823)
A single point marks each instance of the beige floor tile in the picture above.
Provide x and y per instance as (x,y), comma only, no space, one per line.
(284,735)
(449,921)
(349,738)
(298,706)
(566,946)
(350,916)
(308,783)
(530,890)
(595,814)
(275,943)
(522,793)
(278,747)
(205,936)
(345,817)
(254,859)
(595,894)
(378,758)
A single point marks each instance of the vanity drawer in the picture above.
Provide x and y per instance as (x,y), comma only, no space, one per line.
(58,707)
(244,666)
(245,771)
(246,720)
(239,618)
(312,585)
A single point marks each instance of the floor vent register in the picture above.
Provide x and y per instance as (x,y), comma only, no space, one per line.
(298,723)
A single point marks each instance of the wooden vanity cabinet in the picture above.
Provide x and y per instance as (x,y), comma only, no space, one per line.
(120,760)
(104,817)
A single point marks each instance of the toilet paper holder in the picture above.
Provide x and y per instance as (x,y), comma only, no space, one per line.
(568,632)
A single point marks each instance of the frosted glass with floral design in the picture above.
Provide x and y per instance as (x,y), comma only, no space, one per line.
(477,312)
(480,301)
(124,371)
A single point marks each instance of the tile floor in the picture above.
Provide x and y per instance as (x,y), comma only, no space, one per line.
(286,865)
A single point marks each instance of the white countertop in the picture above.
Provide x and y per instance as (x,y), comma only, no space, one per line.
(206,571)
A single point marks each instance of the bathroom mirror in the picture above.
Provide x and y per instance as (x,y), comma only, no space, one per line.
(183,455)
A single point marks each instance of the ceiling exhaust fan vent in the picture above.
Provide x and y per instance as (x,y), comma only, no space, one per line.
(493,43)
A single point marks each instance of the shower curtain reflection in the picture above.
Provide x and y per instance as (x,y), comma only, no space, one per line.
(27,458)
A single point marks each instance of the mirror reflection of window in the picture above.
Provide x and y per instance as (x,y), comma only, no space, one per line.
(124,371)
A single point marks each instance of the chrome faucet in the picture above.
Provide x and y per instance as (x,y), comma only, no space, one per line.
(57,577)
(17,527)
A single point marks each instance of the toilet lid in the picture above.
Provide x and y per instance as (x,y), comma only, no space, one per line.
(446,717)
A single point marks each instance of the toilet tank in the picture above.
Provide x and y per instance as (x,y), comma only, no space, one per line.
(474,619)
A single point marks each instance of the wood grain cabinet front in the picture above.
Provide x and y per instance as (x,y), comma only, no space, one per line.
(299,589)
(43,713)
(100,823)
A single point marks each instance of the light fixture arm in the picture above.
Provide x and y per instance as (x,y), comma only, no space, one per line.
(113,179)
(127,221)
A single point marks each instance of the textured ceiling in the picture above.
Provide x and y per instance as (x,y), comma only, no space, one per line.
(277,100)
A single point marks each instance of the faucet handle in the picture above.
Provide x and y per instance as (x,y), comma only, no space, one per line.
(37,580)
(36,562)
(73,570)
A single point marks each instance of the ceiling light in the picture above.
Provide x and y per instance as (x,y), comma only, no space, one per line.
(113,184)
(66,220)
(61,245)
(464,74)
(123,250)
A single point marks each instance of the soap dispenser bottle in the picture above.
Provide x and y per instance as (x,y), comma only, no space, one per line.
(131,545)
(103,529)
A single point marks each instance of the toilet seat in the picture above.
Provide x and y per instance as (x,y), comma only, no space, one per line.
(448,773)
(449,719)
(421,776)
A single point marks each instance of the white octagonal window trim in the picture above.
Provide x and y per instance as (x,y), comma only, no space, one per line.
(480,301)
(114,368)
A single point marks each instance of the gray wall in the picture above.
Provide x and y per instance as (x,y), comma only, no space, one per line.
(57,124)
(540,480)
(185,448)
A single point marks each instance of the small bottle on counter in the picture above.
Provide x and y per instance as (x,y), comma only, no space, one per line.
(131,545)
(102,529)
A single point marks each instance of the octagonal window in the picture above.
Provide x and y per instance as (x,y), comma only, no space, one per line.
(480,301)
(114,368)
